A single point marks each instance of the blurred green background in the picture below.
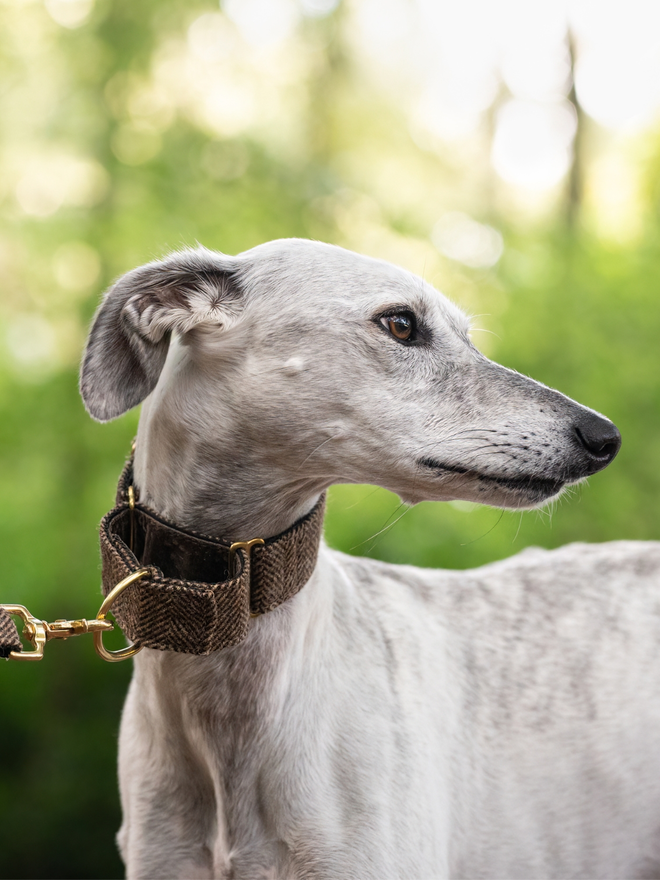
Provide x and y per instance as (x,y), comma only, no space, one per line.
(480,145)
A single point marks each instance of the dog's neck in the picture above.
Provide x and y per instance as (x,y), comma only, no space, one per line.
(230,496)
(230,477)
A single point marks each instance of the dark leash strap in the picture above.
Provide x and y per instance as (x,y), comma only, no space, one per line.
(9,640)
(173,589)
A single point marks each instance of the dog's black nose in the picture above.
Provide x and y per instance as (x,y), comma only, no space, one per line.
(599,437)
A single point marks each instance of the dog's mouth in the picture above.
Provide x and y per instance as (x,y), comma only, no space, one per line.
(531,489)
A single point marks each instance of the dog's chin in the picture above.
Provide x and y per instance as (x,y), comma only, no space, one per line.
(528,497)
(524,492)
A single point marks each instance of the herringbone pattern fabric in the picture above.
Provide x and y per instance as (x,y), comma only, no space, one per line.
(285,563)
(189,603)
(9,640)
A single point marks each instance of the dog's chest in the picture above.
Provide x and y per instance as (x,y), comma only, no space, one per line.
(326,752)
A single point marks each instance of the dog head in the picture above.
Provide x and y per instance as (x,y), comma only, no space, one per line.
(303,363)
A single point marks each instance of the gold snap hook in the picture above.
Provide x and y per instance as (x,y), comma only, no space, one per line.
(34,630)
(38,632)
(131,650)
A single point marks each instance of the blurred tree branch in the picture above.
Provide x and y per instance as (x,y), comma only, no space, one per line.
(576,175)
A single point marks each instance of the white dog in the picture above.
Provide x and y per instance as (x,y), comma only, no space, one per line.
(388,721)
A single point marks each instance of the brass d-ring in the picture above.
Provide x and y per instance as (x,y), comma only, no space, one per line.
(131,650)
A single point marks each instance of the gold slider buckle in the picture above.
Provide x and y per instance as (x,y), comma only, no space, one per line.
(242,545)
(131,505)
(38,632)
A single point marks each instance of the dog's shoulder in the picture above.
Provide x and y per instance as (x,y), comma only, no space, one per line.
(594,566)
(536,589)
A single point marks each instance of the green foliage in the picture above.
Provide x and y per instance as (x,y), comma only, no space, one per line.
(570,310)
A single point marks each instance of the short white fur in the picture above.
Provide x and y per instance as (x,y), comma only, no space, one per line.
(388,722)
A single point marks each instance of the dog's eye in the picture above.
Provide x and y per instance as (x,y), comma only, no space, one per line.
(401,325)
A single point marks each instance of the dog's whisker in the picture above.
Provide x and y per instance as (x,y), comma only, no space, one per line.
(362,498)
(316,449)
(386,528)
(520,519)
(499,520)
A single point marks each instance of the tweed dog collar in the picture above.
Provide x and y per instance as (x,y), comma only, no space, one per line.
(173,589)
(200,592)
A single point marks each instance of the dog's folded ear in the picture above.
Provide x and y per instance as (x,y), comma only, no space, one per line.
(130,335)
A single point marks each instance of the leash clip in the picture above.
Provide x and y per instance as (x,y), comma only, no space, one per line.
(38,632)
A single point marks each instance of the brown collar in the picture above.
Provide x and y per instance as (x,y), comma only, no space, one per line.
(190,601)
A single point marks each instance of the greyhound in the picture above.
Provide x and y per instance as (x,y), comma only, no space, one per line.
(388,722)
